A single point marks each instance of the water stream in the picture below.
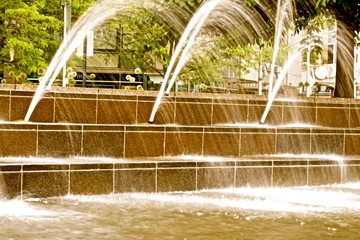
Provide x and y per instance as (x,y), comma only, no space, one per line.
(274,91)
(92,18)
(191,30)
(227,11)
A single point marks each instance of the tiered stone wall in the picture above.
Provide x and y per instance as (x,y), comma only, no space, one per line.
(102,106)
(133,141)
(104,125)
(49,179)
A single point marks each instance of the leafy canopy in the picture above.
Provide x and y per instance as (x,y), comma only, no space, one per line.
(28,35)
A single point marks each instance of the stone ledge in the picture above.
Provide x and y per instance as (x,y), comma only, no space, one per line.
(84,176)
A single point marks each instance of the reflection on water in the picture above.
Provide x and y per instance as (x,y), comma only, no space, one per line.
(251,213)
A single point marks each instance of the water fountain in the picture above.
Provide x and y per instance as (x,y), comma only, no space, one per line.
(121,133)
(206,158)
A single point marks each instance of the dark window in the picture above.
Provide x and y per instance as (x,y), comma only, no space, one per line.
(330,54)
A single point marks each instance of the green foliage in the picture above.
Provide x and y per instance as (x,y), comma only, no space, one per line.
(348,10)
(241,58)
(191,5)
(29,34)
(345,4)
(139,38)
(251,56)
(204,64)
(78,7)
(312,38)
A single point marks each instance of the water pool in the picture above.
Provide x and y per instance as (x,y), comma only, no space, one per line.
(325,212)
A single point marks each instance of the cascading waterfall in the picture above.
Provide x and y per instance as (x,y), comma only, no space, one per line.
(3,188)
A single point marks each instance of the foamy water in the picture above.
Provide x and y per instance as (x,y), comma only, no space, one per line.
(252,213)
(335,198)
(19,208)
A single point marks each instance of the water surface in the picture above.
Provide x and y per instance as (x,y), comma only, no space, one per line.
(325,212)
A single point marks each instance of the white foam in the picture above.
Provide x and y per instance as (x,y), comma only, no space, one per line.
(18,208)
(305,199)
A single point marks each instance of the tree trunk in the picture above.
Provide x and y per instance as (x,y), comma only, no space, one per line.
(344,84)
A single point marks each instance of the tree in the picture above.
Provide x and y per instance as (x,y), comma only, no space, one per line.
(145,36)
(28,37)
(78,7)
(347,15)
(144,42)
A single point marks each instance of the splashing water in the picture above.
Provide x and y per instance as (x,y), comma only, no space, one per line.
(332,198)
(255,213)
(19,208)
(197,25)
